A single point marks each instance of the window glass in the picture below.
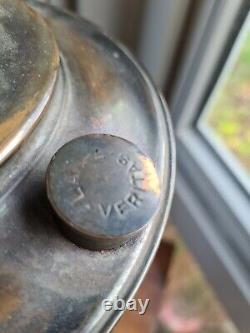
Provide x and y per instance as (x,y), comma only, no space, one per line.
(226,119)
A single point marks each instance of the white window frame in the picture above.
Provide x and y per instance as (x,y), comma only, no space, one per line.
(211,208)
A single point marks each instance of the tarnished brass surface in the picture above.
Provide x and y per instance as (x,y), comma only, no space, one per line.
(28,63)
(47,283)
(103,189)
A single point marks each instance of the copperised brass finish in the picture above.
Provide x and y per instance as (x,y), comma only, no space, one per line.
(47,283)
(29,60)
(103,189)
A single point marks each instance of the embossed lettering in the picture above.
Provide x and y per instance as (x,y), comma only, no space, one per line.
(72,179)
(99,157)
(135,200)
(86,207)
(81,195)
(134,168)
(123,160)
(121,207)
(136,181)
(106,211)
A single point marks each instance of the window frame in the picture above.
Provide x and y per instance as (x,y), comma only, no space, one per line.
(211,208)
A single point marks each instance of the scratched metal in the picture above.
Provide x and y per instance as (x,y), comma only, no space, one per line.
(28,63)
(103,189)
(47,284)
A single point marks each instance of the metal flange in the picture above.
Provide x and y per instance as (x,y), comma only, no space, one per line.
(29,60)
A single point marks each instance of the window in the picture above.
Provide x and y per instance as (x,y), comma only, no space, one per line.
(210,106)
(225,122)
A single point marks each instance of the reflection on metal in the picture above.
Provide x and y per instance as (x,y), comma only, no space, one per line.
(103,189)
(47,283)
(28,63)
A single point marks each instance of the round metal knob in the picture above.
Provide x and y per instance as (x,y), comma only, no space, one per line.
(103,189)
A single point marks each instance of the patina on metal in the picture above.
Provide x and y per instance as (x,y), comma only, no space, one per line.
(103,189)
(47,283)
(29,60)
